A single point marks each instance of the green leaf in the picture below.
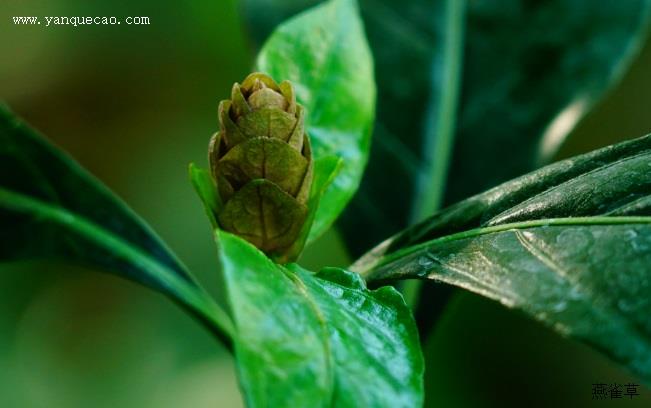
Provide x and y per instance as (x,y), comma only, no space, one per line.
(51,208)
(280,347)
(306,340)
(206,190)
(569,244)
(408,44)
(325,55)
(607,181)
(325,171)
(532,71)
(374,342)
(524,63)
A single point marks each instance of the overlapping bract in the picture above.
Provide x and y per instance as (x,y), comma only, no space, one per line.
(262,163)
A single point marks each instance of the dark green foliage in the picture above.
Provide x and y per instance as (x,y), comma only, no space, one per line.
(569,244)
(523,63)
(51,208)
(318,340)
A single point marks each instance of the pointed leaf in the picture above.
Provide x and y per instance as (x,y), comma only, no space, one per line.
(569,244)
(530,72)
(324,53)
(51,208)
(321,340)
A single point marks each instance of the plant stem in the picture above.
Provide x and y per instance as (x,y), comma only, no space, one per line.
(440,127)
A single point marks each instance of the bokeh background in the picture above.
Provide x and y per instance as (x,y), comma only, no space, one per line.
(136,104)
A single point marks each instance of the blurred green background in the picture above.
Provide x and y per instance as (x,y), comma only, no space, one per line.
(135,105)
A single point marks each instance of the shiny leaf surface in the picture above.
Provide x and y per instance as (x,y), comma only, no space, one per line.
(324,53)
(321,340)
(531,70)
(614,180)
(569,244)
(405,42)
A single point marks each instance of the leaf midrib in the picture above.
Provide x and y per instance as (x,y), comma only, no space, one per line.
(475,232)
(299,276)
(297,280)
(188,292)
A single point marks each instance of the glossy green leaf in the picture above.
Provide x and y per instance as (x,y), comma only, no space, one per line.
(51,208)
(413,79)
(608,181)
(306,340)
(324,53)
(282,356)
(569,244)
(532,70)
(524,63)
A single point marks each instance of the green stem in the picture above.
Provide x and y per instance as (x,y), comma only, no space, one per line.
(187,292)
(439,132)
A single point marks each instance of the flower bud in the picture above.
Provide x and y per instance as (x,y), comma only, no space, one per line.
(261,161)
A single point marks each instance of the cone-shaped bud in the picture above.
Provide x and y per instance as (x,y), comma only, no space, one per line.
(262,163)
